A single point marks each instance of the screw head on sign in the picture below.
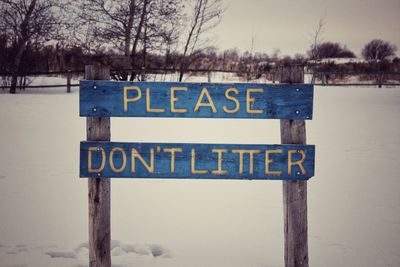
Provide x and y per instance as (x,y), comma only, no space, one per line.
(298,173)
(297,112)
(297,90)
(94,109)
(94,87)
(98,174)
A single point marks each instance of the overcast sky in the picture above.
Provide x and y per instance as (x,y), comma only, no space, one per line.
(287,24)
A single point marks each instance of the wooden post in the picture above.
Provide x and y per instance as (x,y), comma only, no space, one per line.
(68,81)
(380,79)
(98,129)
(294,192)
(209,76)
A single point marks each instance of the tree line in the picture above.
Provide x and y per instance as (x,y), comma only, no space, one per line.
(135,35)
(131,30)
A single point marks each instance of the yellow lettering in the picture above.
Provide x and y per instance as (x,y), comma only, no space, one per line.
(193,169)
(209,102)
(250,100)
(127,100)
(172,151)
(122,168)
(175,99)
(268,161)
(298,163)
(219,152)
(103,159)
(148,105)
(232,98)
(251,153)
(149,167)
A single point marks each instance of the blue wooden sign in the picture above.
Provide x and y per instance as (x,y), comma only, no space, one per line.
(196,100)
(196,161)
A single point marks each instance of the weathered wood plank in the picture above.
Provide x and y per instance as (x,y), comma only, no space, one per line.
(98,129)
(196,100)
(196,161)
(295,203)
(292,74)
(294,192)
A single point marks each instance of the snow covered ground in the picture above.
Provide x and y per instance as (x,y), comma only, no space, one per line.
(354,199)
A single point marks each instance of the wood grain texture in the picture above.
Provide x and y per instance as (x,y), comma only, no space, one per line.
(281,101)
(294,192)
(292,74)
(98,129)
(196,161)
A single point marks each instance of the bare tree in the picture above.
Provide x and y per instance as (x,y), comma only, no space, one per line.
(112,25)
(230,59)
(120,25)
(252,44)
(24,22)
(205,15)
(316,39)
(276,53)
(160,29)
(378,49)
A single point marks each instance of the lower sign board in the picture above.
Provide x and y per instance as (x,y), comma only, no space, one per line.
(196,161)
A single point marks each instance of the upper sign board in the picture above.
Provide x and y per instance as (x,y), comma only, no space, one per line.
(196,100)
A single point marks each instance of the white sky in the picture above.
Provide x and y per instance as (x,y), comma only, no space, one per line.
(287,24)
